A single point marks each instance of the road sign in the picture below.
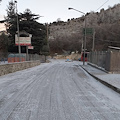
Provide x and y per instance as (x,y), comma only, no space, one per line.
(23,41)
(89,31)
(31,47)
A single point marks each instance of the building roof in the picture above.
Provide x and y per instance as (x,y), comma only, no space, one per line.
(115,48)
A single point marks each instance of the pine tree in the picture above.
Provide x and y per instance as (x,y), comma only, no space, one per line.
(28,23)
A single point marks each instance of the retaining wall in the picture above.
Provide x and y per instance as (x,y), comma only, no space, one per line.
(13,67)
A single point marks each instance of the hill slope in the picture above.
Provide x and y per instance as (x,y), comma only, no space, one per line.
(69,35)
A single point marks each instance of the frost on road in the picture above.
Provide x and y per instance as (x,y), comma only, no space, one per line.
(56,91)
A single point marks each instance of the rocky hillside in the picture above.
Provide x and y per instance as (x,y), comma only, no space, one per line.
(68,36)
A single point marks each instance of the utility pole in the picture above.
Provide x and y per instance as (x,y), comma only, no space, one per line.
(47,32)
(18,32)
(84,42)
(93,46)
(48,38)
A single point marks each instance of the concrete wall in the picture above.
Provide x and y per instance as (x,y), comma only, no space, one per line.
(13,67)
(113,62)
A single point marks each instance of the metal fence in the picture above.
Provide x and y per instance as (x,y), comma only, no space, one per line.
(108,60)
(10,57)
(98,58)
(32,57)
(36,57)
(3,57)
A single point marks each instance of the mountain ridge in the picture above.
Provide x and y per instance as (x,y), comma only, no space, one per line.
(69,35)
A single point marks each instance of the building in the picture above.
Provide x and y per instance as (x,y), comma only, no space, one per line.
(113,49)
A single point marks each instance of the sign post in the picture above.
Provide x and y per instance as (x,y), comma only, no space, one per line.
(30,47)
(89,31)
(23,41)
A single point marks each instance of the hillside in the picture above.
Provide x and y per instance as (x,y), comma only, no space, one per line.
(68,35)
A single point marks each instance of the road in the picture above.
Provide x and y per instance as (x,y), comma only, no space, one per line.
(57,90)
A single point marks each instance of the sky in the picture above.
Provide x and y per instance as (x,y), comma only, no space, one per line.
(51,10)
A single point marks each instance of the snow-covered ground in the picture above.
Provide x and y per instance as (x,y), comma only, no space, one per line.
(112,79)
(3,62)
(57,90)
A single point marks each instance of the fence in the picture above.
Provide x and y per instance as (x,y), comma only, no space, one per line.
(22,57)
(10,58)
(110,61)
(3,57)
(98,58)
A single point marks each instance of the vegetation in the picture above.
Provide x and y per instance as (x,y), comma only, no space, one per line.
(3,43)
(65,36)
(69,37)
(28,23)
(45,51)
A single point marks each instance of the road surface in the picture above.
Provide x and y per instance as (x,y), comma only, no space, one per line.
(56,91)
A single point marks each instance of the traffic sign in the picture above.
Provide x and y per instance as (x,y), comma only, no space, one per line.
(89,31)
(31,47)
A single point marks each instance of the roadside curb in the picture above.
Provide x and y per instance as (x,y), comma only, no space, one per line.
(103,82)
(97,67)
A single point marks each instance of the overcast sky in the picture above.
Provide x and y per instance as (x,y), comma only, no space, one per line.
(54,9)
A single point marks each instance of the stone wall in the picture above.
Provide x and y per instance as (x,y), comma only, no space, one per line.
(13,67)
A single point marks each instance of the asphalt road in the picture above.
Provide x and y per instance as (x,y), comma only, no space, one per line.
(56,91)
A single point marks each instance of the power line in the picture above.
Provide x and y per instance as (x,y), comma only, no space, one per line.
(102,5)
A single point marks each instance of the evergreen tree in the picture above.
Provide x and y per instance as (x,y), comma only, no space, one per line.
(45,51)
(11,26)
(3,42)
(28,23)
